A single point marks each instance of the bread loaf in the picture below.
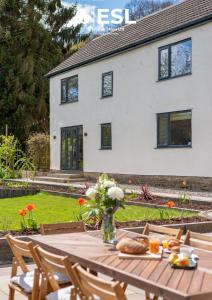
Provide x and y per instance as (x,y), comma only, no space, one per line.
(133,246)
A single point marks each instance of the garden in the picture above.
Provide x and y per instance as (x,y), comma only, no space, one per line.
(23,215)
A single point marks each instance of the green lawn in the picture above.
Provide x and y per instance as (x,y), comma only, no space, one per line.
(50,209)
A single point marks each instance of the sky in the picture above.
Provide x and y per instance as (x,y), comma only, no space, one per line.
(89,10)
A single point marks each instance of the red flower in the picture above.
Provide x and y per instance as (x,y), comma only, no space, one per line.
(81,201)
(170,204)
(30,207)
(22,212)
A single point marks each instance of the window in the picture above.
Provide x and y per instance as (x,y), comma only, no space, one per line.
(107,84)
(106,136)
(175,59)
(174,129)
(69,89)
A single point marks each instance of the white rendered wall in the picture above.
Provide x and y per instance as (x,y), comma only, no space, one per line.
(132,110)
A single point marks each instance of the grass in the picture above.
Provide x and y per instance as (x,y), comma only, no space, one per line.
(51,209)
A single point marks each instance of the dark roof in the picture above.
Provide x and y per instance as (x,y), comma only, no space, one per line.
(147,29)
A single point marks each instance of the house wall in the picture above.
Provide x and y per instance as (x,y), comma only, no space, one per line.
(138,97)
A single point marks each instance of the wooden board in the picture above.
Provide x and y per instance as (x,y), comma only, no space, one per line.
(147,256)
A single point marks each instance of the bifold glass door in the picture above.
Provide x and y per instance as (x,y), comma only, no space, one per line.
(72,148)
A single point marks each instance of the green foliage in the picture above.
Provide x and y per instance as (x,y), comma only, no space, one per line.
(34,38)
(184,199)
(12,158)
(38,149)
(17,184)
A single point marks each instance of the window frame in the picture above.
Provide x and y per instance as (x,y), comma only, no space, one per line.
(66,84)
(168,114)
(169,46)
(103,75)
(103,147)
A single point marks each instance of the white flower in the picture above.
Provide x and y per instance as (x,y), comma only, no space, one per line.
(115,193)
(108,184)
(91,193)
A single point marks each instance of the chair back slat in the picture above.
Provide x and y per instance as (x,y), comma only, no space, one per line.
(198,240)
(20,250)
(92,286)
(59,228)
(50,264)
(162,230)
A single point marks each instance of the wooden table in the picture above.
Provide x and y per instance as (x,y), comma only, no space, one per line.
(156,276)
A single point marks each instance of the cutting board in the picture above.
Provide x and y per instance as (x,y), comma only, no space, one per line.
(147,255)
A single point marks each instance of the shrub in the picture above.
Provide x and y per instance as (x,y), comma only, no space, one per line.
(12,158)
(38,148)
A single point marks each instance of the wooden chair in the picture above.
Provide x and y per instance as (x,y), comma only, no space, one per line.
(93,286)
(198,240)
(26,283)
(51,264)
(176,233)
(58,228)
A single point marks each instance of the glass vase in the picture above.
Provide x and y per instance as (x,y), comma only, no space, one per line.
(108,229)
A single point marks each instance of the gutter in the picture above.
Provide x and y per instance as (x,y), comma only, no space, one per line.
(182,27)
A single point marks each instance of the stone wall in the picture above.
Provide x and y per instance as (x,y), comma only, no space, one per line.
(194,183)
(9,192)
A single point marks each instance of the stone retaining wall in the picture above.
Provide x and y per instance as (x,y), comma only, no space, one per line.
(18,192)
(194,183)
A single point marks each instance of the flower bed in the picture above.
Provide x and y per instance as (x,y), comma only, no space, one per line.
(158,201)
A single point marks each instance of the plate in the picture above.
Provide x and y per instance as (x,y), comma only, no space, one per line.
(192,265)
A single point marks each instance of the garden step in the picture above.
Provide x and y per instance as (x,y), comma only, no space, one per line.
(65,175)
(60,180)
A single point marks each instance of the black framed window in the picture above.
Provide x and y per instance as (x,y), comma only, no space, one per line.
(174,129)
(107,84)
(106,136)
(69,89)
(175,59)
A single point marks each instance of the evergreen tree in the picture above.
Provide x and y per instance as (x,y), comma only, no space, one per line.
(34,37)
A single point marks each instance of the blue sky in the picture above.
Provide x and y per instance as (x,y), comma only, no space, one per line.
(88,13)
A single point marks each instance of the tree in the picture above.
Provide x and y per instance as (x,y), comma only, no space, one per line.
(34,37)
(141,8)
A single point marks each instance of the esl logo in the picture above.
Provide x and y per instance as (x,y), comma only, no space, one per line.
(114,16)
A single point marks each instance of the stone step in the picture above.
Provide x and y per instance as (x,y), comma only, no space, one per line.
(65,175)
(60,180)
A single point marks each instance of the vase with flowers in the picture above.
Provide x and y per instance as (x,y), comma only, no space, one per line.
(106,198)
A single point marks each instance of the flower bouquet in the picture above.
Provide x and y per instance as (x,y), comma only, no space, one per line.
(106,198)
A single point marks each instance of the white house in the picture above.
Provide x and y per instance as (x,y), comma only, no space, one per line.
(138,101)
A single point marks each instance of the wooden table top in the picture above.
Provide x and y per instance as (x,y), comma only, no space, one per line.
(156,276)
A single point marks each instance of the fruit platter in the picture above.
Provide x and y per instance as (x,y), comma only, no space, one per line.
(181,261)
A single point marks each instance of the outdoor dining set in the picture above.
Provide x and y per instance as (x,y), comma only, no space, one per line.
(68,263)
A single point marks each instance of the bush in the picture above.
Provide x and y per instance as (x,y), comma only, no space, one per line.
(38,148)
(12,158)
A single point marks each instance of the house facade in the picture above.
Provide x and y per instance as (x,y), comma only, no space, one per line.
(142,110)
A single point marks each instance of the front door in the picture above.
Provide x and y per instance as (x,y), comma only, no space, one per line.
(72,148)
